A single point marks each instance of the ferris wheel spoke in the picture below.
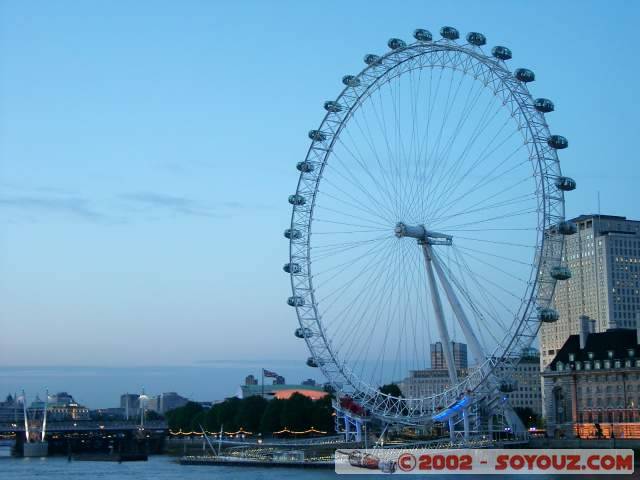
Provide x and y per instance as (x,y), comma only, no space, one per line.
(413,147)
(471,101)
(492,265)
(476,306)
(381,298)
(517,185)
(496,242)
(343,266)
(517,200)
(344,316)
(424,149)
(386,168)
(481,282)
(483,156)
(391,316)
(397,142)
(383,210)
(382,223)
(350,232)
(438,176)
(518,213)
(487,179)
(386,178)
(349,320)
(337,246)
(435,173)
(433,158)
(336,251)
(360,160)
(374,228)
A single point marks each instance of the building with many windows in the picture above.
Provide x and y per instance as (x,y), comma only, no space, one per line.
(459,351)
(526,390)
(604,258)
(427,382)
(592,386)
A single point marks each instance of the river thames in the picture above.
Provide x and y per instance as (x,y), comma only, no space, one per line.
(160,467)
(163,467)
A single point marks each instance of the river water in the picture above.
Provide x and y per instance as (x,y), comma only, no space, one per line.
(163,467)
(160,467)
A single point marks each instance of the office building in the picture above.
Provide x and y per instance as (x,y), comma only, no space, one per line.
(604,258)
(459,351)
(525,381)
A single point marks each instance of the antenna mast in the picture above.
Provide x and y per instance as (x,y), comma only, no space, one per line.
(46,407)
(26,419)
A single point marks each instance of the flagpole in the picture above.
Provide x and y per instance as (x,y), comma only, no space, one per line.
(263,383)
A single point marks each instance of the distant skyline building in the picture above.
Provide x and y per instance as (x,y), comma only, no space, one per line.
(130,403)
(604,259)
(459,351)
(428,382)
(250,380)
(527,388)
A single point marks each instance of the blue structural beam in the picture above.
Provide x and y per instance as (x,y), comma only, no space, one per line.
(454,409)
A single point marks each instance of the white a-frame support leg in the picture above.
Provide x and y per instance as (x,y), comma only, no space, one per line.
(474,345)
(437,307)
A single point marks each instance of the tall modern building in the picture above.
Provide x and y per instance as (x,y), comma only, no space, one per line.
(604,258)
(459,351)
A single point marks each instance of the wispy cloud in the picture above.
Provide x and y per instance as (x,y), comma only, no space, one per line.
(175,204)
(75,206)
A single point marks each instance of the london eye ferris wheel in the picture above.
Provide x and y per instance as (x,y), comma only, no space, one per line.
(429,207)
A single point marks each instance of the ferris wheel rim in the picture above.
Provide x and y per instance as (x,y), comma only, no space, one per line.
(329,364)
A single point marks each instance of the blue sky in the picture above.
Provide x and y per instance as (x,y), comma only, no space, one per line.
(147,150)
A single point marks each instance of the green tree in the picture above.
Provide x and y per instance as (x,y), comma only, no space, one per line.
(322,415)
(270,421)
(296,413)
(182,417)
(250,412)
(391,389)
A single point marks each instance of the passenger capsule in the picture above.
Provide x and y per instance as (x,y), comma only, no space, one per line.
(548,315)
(422,35)
(292,268)
(566,184)
(292,234)
(449,33)
(501,53)
(396,43)
(371,59)
(297,199)
(477,39)
(302,332)
(558,142)
(561,273)
(351,81)
(525,75)
(295,301)
(305,167)
(317,135)
(543,105)
(311,362)
(333,107)
(567,228)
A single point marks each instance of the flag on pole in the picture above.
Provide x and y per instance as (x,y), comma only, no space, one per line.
(269,373)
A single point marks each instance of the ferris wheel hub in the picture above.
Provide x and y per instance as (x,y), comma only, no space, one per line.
(420,233)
